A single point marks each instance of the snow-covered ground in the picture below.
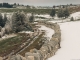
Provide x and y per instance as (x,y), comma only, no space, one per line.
(48,31)
(75,15)
(60,20)
(9,15)
(70,42)
(45,17)
(42,15)
(25,32)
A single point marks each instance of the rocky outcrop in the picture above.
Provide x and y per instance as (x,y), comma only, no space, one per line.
(47,50)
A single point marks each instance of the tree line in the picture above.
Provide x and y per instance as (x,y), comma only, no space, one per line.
(6,5)
(61,13)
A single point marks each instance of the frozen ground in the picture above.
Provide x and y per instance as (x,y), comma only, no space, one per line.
(49,31)
(70,42)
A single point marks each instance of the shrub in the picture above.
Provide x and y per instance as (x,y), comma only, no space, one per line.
(72,19)
(1,20)
(66,13)
(19,20)
(60,13)
(63,13)
(0,28)
(31,19)
(53,12)
(5,19)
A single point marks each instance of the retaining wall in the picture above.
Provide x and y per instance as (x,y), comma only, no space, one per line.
(48,49)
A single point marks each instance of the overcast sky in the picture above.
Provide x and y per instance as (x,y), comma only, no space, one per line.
(42,2)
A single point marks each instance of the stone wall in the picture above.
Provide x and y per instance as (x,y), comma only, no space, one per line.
(48,49)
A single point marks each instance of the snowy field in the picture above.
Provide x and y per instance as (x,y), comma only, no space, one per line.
(70,42)
(75,15)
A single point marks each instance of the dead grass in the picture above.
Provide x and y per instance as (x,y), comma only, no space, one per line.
(34,45)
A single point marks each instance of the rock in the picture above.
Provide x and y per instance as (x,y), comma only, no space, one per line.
(1,58)
(39,52)
(2,32)
(17,57)
(35,55)
(30,57)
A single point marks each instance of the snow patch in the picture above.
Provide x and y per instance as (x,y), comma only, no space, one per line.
(26,32)
(75,15)
(48,31)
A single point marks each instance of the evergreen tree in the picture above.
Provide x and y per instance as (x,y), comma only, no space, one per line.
(66,13)
(53,12)
(72,19)
(4,19)
(60,13)
(14,18)
(0,4)
(63,13)
(54,6)
(1,20)
(31,19)
(19,21)
(24,19)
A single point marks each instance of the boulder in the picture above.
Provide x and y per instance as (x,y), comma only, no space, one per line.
(38,52)
(1,58)
(2,32)
(34,56)
(30,57)
(17,57)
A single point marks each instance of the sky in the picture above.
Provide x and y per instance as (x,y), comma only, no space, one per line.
(42,2)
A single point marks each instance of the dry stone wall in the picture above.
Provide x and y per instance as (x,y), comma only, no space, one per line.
(48,49)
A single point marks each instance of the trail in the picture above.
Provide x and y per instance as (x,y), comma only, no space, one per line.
(70,42)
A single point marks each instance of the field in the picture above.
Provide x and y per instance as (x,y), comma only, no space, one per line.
(38,11)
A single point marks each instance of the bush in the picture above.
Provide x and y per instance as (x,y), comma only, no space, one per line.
(66,13)
(5,19)
(60,13)
(19,20)
(1,20)
(53,12)
(0,28)
(31,19)
(72,19)
(63,13)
